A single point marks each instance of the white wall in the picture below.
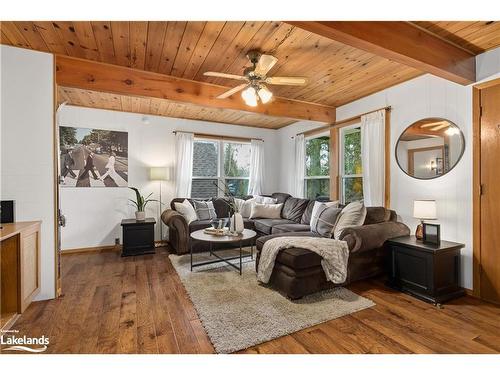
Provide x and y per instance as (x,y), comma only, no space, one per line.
(94,214)
(27,173)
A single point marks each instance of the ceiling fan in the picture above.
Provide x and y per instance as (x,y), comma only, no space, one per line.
(255,78)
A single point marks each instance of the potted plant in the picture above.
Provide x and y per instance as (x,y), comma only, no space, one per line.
(140,203)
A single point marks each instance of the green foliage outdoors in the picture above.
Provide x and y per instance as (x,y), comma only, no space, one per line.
(353,186)
(318,156)
(231,167)
(352,153)
(108,140)
(67,136)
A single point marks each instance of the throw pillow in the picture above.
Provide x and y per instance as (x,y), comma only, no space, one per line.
(266,211)
(244,206)
(204,210)
(264,200)
(187,210)
(323,219)
(306,216)
(352,215)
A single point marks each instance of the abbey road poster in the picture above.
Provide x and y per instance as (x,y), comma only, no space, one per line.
(93,157)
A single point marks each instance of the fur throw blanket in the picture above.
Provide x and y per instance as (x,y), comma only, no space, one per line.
(335,254)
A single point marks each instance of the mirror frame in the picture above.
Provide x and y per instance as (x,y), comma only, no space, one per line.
(437,176)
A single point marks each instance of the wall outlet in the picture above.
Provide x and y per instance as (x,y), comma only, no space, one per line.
(117,241)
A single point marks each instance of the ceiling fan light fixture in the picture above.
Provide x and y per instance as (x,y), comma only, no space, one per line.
(265,94)
(249,95)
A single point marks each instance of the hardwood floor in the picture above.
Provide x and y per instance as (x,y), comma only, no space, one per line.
(138,305)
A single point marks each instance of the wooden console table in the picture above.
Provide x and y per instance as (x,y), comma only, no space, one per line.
(20,268)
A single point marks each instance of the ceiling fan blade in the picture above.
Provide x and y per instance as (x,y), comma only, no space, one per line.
(234,90)
(265,64)
(300,81)
(224,75)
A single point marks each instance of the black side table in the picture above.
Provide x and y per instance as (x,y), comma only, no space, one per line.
(138,236)
(428,272)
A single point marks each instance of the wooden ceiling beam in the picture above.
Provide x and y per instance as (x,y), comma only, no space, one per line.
(91,75)
(402,42)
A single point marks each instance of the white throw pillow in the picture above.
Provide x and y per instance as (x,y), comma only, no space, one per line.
(244,206)
(186,209)
(266,211)
(264,200)
(352,215)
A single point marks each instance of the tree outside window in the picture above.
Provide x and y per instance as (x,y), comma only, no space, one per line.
(317,179)
(351,166)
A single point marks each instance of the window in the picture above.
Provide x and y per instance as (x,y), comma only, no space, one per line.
(317,174)
(210,165)
(351,171)
(237,167)
(205,169)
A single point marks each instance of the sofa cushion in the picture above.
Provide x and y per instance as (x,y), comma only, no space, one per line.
(294,208)
(266,225)
(221,207)
(286,228)
(375,215)
(187,210)
(280,197)
(306,216)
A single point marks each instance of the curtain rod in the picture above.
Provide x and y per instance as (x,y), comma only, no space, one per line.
(337,124)
(223,137)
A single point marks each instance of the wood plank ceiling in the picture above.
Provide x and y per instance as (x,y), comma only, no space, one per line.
(162,107)
(473,36)
(338,73)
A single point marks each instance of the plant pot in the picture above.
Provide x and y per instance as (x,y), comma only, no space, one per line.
(236,225)
(140,215)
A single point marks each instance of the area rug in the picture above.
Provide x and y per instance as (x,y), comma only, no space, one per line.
(238,312)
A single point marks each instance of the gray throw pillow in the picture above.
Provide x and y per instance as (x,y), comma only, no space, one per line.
(205,210)
(323,219)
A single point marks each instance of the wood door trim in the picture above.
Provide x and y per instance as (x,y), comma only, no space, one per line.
(476,191)
(476,183)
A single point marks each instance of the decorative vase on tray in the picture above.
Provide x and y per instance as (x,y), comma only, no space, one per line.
(236,225)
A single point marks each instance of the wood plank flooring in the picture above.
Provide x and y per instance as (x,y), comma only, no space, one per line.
(138,305)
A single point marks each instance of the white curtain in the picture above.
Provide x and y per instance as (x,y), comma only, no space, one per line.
(256,167)
(300,166)
(184,164)
(373,157)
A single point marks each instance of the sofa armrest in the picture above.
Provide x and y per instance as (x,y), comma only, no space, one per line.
(178,230)
(372,236)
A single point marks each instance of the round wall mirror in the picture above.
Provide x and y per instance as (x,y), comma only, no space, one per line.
(430,148)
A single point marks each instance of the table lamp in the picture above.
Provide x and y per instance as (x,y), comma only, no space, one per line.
(423,210)
(159,174)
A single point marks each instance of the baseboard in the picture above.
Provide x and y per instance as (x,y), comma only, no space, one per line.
(96,249)
(469,292)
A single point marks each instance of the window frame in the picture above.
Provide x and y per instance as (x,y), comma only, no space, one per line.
(342,132)
(322,134)
(221,177)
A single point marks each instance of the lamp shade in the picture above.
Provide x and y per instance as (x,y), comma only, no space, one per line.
(159,173)
(424,209)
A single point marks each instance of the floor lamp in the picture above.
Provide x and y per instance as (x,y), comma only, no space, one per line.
(159,174)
